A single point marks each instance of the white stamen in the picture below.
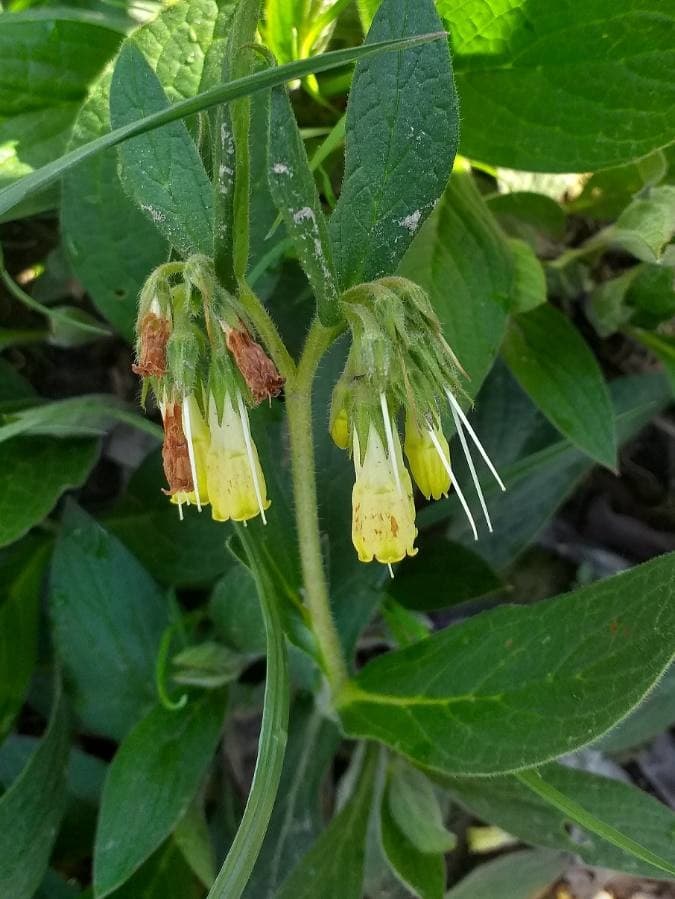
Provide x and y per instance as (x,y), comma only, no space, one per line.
(391,570)
(458,491)
(187,426)
(180,511)
(390,441)
(465,421)
(249,452)
(472,468)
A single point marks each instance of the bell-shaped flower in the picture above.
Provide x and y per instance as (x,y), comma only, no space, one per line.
(235,481)
(383,522)
(197,437)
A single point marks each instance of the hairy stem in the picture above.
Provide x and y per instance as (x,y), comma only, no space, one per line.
(299,410)
(237,867)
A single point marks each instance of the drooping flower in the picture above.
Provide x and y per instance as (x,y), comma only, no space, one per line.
(426,463)
(235,481)
(383,511)
(175,453)
(153,335)
(257,369)
(198,438)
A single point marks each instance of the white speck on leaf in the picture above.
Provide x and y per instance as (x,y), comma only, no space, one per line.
(304,215)
(155,214)
(280,168)
(412,221)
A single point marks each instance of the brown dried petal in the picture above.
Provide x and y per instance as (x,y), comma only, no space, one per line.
(260,373)
(175,455)
(154,336)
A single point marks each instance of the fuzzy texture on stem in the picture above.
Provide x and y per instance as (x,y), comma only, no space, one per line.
(299,411)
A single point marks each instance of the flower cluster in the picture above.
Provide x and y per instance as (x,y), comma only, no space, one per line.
(196,354)
(398,362)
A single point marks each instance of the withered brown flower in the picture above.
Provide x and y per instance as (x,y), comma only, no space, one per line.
(175,453)
(154,334)
(260,373)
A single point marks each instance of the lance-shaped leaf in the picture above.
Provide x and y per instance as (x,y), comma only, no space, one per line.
(423,873)
(159,766)
(162,171)
(519,875)
(518,686)
(401,139)
(31,809)
(295,194)
(506,802)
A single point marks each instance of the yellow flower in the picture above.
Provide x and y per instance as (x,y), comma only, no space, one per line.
(235,481)
(339,429)
(383,523)
(426,465)
(198,437)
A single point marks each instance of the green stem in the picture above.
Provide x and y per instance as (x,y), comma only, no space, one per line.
(546,791)
(237,867)
(299,411)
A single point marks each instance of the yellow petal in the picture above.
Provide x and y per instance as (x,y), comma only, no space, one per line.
(428,470)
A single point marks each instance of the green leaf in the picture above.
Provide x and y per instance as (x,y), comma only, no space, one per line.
(296,820)
(160,766)
(185,553)
(194,840)
(295,194)
(415,811)
(401,139)
(528,215)
(422,873)
(49,58)
(31,809)
(654,715)
(34,473)
(333,867)
(646,227)
(529,278)
(180,207)
(207,664)
(235,611)
(541,476)
(548,89)
(22,576)
(14,389)
(554,365)
(112,244)
(443,574)
(514,807)
(165,874)
(462,260)
(663,347)
(608,192)
(651,296)
(520,875)
(31,184)
(515,687)
(108,618)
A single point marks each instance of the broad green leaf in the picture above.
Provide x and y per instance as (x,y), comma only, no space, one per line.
(283,23)
(192,837)
(509,804)
(112,244)
(165,874)
(333,867)
(541,475)
(423,873)
(160,766)
(14,389)
(651,296)
(22,574)
(108,618)
(401,139)
(31,184)
(235,611)
(294,192)
(647,225)
(608,309)
(34,473)
(550,89)
(554,365)
(31,809)
(462,260)
(653,716)
(515,687)
(520,875)
(663,347)
(607,192)
(49,58)
(443,574)
(528,215)
(415,811)
(296,820)
(181,553)
(529,278)
(180,207)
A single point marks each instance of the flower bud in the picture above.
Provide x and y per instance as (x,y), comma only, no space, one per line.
(339,429)
(428,470)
